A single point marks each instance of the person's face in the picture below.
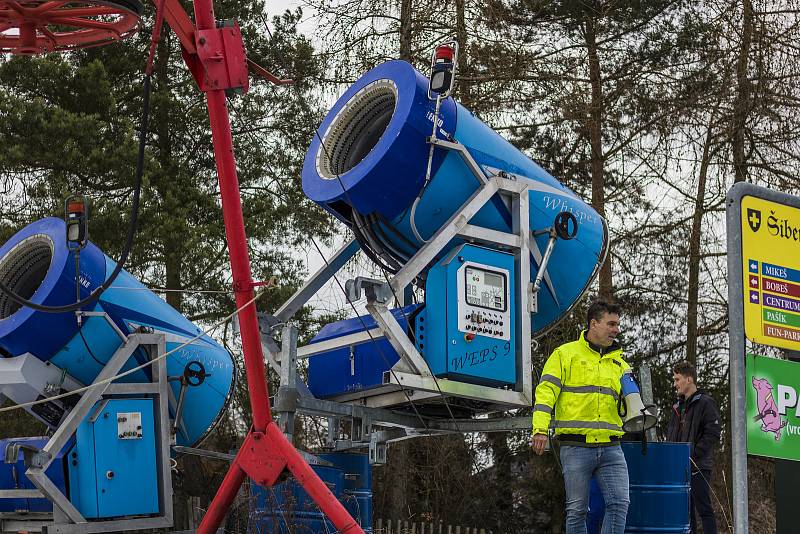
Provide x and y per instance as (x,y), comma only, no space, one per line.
(681,383)
(606,329)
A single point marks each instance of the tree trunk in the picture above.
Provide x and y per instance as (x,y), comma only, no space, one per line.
(741,105)
(595,130)
(694,249)
(405,30)
(172,246)
(397,507)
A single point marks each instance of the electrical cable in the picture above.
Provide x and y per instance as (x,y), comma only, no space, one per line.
(395,265)
(376,229)
(714,493)
(137,190)
(94,295)
(382,220)
(435,381)
(89,350)
(165,290)
(412,220)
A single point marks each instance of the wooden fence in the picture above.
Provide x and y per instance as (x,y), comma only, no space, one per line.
(390,526)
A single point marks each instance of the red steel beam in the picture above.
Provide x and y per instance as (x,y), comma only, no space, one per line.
(266,452)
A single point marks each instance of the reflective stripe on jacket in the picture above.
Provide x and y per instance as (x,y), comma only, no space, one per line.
(579,392)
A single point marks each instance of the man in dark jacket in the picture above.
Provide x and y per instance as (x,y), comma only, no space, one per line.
(695,419)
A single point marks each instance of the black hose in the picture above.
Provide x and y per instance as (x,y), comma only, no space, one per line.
(363,241)
(131,226)
(382,239)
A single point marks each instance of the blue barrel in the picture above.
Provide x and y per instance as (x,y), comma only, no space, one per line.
(368,168)
(357,498)
(659,489)
(287,509)
(37,264)
(660,482)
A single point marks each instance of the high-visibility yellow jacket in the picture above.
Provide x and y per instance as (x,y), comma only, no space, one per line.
(579,392)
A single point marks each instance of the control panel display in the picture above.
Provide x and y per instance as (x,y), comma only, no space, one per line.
(483,301)
(485,288)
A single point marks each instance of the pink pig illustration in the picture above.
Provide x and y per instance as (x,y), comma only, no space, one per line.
(767,409)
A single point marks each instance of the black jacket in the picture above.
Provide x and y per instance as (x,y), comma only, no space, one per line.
(696,420)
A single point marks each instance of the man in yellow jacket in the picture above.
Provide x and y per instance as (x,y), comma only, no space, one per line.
(579,396)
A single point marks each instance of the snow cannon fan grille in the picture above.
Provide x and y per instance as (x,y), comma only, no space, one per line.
(23,270)
(356,129)
(29,27)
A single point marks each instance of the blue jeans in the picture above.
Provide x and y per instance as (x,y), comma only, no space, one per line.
(608,465)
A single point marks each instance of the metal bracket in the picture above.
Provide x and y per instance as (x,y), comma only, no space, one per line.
(377,450)
(32,456)
(375,290)
(398,338)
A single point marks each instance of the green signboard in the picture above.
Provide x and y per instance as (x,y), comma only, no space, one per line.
(773,410)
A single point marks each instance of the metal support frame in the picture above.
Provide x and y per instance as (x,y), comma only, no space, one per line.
(287,390)
(736,346)
(419,378)
(411,376)
(66,518)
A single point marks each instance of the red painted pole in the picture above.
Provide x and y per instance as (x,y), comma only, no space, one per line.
(248,322)
(222,500)
(240,258)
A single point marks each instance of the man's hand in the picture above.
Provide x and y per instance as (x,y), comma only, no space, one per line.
(539,443)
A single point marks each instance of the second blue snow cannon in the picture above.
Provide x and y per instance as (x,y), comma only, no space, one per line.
(368,168)
(37,264)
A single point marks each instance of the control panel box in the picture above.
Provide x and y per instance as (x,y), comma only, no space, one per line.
(466,331)
(112,468)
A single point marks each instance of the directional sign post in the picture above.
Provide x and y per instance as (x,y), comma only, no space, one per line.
(763,229)
(771,269)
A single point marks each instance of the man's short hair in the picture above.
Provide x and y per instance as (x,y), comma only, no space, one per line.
(600,307)
(686,369)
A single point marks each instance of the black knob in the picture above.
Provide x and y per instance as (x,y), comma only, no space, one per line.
(566,225)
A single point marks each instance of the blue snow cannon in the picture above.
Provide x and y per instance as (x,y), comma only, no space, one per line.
(37,264)
(368,168)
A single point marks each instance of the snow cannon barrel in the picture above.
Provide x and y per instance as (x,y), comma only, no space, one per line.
(37,264)
(369,170)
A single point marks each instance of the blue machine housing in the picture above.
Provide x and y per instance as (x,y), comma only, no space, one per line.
(347,371)
(112,475)
(36,260)
(12,476)
(438,332)
(447,349)
(373,168)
